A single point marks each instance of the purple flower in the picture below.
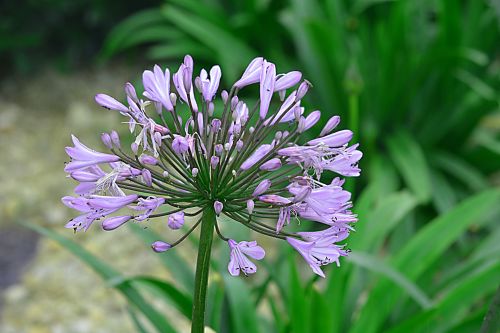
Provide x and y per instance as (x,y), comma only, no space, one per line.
(94,208)
(267,80)
(330,125)
(336,139)
(271,165)
(261,188)
(183,82)
(257,155)
(83,157)
(318,253)
(157,86)
(176,220)
(237,156)
(287,80)
(251,74)
(110,103)
(274,199)
(180,145)
(239,261)
(148,206)
(209,86)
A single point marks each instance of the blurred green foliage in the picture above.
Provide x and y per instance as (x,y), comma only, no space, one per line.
(418,82)
(58,32)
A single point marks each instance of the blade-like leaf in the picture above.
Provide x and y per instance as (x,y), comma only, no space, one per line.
(109,275)
(410,160)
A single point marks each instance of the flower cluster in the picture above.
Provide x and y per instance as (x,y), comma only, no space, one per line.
(193,152)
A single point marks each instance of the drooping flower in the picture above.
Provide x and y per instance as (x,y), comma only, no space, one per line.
(248,162)
(239,261)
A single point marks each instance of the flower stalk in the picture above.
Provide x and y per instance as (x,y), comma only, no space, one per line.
(202,269)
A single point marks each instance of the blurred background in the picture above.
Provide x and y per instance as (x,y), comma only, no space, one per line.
(417,81)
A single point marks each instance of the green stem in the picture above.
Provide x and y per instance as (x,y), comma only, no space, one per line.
(202,268)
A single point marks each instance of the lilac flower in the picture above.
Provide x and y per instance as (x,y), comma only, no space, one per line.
(83,157)
(267,80)
(176,220)
(318,253)
(239,261)
(157,86)
(251,74)
(262,187)
(252,163)
(330,125)
(148,206)
(110,103)
(209,86)
(94,208)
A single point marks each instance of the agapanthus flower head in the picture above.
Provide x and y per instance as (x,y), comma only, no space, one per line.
(250,163)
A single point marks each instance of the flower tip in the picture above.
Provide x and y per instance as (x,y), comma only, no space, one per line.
(160,246)
(218,207)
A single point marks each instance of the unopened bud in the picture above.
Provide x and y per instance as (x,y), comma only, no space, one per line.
(106,139)
(160,246)
(173,98)
(115,138)
(250,206)
(218,207)
(224,96)
(214,161)
(194,172)
(134,147)
(146,176)
(211,108)
(218,149)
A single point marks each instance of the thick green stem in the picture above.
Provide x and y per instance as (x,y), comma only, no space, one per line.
(202,268)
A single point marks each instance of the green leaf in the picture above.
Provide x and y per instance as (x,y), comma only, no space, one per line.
(376,265)
(242,307)
(297,302)
(137,323)
(421,253)
(410,160)
(109,275)
(165,290)
(120,34)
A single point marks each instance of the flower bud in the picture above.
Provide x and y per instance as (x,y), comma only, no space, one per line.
(311,120)
(160,246)
(165,174)
(176,220)
(147,159)
(146,177)
(173,98)
(134,147)
(262,187)
(234,102)
(271,165)
(115,138)
(158,138)
(180,145)
(224,96)
(239,145)
(330,125)
(194,172)
(250,206)
(211,108)
(130,91)
(197,83)
(114,222)
(106,139)
(110,103)
(218,149)
(303,88)
(214,161)
(218,206)
(216,124)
